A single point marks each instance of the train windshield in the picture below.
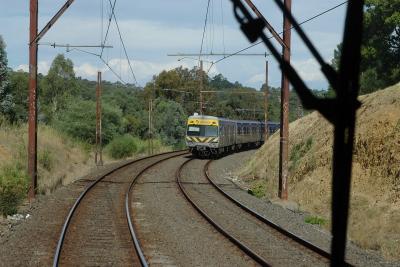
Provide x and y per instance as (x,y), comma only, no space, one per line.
(202,130)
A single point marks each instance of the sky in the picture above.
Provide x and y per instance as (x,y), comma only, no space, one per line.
(153,29)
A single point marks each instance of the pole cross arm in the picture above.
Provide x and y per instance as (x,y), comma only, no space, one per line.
(52,21)
(267,24)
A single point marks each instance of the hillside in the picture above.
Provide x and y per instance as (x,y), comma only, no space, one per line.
(60,159)
(375,199)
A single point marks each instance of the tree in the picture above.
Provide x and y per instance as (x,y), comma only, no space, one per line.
(19,89)
(6,99)
(380,51)
(79,121)
(59,84)
(170,122)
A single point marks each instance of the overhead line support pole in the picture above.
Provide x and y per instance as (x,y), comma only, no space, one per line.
(34,38)
(52,21)
(32,118)
(284,131)
(266,92)
(267,25)
(201,88)
(98,156)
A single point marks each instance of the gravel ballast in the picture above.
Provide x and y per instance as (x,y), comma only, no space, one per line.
(222,171)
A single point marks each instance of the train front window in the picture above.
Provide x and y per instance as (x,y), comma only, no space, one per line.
(202,130)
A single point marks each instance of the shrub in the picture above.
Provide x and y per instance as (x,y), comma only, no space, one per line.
(315,220)
(13,188)
(79,121)
(122,147)
(298,151)
(258,189)
(45,159)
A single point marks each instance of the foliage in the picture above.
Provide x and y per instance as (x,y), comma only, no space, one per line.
(258,189)
(79,121)
(380,50)
(45,159)
(19,90)
(13,188)
(57,86)
(170,122)
(381,44)
(122,146)
(6,99)
(315,220)
(298,151)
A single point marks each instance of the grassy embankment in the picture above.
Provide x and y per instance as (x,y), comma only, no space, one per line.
(61,160)
(375,197)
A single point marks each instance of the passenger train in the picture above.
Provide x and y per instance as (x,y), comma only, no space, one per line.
(211,136)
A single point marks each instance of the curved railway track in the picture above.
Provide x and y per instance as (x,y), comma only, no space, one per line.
(72,228)
(85,199)
(287,236)
(258,216)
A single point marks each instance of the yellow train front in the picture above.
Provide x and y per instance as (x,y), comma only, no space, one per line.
(209,135)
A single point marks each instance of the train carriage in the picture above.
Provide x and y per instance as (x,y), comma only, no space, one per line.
(209,135)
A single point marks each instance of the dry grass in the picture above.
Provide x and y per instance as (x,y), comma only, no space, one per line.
(60,160)
(375,198)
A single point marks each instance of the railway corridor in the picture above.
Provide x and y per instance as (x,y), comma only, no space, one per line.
(169,230)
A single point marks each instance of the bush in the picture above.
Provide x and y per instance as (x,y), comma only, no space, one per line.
(123,146)
(315,220)
(258,189)
(45,159)
(79,121)
(13,189)
(298,151)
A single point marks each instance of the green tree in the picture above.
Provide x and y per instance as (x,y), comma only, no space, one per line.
(380,63)
(170,122)
(79,120)
(58,85)
(6,99)
(19,89)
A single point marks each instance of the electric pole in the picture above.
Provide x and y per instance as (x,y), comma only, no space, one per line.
(34,38)
(201,87)
(32,118)
(284,131)
(150,144)
(266,92)
(99,153)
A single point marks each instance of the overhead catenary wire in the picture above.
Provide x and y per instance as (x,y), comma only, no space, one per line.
(112,70)
(122,41)
(260,42)
(204,30)
(108,26)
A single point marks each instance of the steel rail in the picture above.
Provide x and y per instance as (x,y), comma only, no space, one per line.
(275,226)
(235,241)
(128,208)
(82,195)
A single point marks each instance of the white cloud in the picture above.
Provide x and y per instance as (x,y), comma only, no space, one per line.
(143,70)
(257,78)
(309,70)
(43,67)
(87,70)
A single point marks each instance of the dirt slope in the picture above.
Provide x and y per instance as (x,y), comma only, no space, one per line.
(375,199)
(60,159)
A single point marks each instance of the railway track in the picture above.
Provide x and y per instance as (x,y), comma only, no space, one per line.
(100,219)
(287,239)
(92,215)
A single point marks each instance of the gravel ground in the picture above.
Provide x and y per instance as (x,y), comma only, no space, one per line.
(171,232)
(32,241)
(262,239)
(222,171)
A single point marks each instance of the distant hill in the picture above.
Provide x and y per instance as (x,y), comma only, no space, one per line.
(375,199)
